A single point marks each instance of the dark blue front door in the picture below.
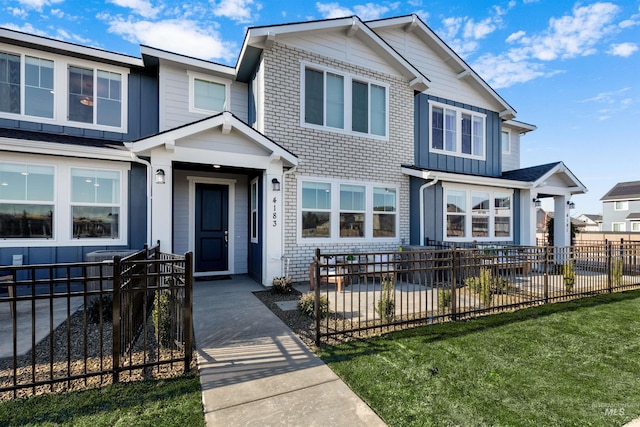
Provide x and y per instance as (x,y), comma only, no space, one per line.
(212,227)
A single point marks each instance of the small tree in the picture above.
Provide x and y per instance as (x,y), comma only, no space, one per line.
(550,234)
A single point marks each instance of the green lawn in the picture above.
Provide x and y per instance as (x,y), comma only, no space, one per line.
(575,363)
(171,402)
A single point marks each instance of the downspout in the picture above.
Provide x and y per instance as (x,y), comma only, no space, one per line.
(284,180)
(421,191)
(137,159)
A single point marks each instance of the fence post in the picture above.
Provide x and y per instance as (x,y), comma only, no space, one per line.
(454,280)
(116,317)
(609,278)
(316,306)
(188,313)
(546,273)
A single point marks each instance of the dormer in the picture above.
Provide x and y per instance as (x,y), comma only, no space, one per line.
(510,143)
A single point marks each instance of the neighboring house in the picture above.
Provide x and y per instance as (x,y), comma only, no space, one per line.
(338,134)
(621,207)
(590,222)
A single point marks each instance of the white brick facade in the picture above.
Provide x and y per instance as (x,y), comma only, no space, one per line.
(335,155)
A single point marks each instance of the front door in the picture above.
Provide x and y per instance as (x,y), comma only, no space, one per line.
(212,228)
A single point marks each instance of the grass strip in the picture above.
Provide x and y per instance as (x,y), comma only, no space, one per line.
(574,363)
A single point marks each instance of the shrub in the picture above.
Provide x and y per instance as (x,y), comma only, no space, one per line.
(282,285)
(102,306)
(616,271)
(161,317)
(568,276)
(306,305)
(444,299)
(386,306)
(485,285)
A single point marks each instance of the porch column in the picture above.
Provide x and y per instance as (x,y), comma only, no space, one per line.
(561,222)
(528,224)
(161,207)
(273,243)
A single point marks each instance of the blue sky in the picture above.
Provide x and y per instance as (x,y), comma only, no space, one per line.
(570,68)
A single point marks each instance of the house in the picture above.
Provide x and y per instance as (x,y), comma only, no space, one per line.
(621,207)
(337,134)
(590,222)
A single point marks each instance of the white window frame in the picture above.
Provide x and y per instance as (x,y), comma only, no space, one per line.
(254,221)
(348,79)
(334,212)
(506,132)
(62,222)
(622,225)
(468,237)
(193,76)
(624,205)
(61,66)
(458,111)
(635,225)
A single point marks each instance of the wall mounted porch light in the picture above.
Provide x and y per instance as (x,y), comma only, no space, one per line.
(571,205)
(536,202)
(275,184)
(160,177)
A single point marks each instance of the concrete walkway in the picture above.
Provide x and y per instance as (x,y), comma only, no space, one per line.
(255,372)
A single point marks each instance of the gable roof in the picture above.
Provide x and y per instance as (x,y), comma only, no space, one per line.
(623,191)
(537,175)
(427,35)
(262,37)
(593,217)
(226,121)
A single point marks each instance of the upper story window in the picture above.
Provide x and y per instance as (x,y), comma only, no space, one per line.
(333,211)
(55,91)
(456,131)
(622,205)
(208,94)
(344,103)
(506,142)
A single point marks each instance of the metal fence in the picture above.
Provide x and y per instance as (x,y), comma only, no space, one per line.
(72,326)
(396,290)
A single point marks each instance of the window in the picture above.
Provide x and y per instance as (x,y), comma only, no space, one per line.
(26,201)
(618,226)
(621,205)
(95,203)
(328,96)
(477,214)
(316,209)
(254,211)
(9,83)
(38,86)
(506,142)
(352,210)
(635,226)
(84,92)
(208,94)
(457,131)
(347,210)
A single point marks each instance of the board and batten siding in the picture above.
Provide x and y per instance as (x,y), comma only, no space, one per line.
(511,160)
(174,98)
(444,80)
(491,166)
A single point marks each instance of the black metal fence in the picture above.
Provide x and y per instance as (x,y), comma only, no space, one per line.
(72,326)
(396,290)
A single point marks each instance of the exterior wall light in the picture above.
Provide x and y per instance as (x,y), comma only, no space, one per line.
(276,184)
(536,202)
(571,205)
(160,178)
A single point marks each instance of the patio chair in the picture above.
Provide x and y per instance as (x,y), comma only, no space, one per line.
(330,272)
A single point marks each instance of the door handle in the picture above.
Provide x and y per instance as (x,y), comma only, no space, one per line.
(226,236)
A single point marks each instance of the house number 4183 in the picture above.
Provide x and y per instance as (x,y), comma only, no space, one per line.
(275,212)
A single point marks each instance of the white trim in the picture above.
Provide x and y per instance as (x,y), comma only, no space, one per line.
(334,212)
(211,79)
(625,205)
(62,222)
(466,179)
(635,225)
(254,183)
(459,111)
(61,89)
(68,150)
(349,78)
(231,183)
(623,226)
(508,150)
(469,189)
(189,61)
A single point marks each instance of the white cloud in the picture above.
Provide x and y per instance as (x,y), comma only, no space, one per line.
(365,12)
(480,30)
(236,10)
(610,97)
(26,28)
(501,72)
(515,36)
(176,35)
(38,4)
(141,7)
(57,13)
(18,12)
(623,49)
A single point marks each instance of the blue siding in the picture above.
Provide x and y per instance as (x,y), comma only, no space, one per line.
(433,209)
(492,166)
(137,206)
